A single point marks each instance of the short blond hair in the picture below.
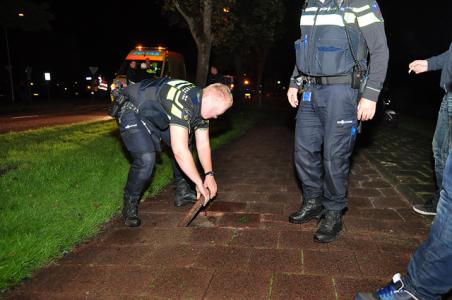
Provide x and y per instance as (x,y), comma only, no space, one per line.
(219,91)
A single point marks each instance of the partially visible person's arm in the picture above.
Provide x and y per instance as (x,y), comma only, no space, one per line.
(182,153)
(371,24)
(292,92)
(430,64)
(437,62)
(205,157)
(418,66)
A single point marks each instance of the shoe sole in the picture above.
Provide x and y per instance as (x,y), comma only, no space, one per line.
(425,213)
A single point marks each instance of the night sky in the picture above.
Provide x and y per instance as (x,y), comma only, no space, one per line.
(100,33)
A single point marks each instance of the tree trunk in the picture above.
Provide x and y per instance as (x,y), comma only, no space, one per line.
(201,30)
(202,66)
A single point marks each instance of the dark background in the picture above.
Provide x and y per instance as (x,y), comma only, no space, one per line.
(101,33)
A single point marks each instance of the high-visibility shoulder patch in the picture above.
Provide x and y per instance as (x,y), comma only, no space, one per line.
(171,94)
(177,99)
(368,19)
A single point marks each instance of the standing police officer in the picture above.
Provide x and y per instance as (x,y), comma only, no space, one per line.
(336,38)
(172,110)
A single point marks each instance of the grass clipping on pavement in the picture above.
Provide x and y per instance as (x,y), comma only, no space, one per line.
(59,185)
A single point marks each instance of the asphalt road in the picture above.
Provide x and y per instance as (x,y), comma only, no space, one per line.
(56,115)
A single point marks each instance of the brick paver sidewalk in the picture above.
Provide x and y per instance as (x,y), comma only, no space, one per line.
(243,246)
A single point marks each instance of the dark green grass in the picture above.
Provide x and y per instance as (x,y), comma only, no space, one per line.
(59,185)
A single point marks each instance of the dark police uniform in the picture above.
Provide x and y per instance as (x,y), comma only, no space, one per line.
(144,120)
(327,114)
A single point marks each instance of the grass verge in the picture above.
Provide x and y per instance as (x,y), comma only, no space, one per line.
(59,185)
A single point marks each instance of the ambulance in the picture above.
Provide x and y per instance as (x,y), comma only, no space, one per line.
(152,62)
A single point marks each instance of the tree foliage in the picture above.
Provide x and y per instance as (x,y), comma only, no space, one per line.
(207,20)
(232,27)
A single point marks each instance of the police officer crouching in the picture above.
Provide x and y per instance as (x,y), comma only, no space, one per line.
(171,110)
(331,70)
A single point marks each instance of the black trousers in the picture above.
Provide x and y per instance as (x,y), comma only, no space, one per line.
(142,140)
(325,134)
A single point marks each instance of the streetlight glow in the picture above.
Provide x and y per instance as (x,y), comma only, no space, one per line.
(20,14)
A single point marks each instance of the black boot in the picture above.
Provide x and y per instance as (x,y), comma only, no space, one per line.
(330,226)
(184,193)
(311,208)
(130,211)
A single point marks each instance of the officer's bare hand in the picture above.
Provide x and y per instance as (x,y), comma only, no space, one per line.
(211,185)
(418,66)
(292,95)
(201,190)
(366,109)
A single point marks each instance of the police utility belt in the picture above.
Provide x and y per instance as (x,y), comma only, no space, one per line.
(357,80)
(323,80)
(119,105)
